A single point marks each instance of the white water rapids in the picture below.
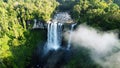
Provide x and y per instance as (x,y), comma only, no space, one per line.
(54,35)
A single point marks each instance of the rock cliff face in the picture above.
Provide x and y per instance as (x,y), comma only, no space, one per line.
(63,17)
(60,17)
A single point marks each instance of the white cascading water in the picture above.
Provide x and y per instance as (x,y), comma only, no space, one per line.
(35,24)
(54,37)
(70,36)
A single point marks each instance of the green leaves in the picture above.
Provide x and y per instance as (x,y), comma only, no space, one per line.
(101,13)
(15,47)
(45,8)
(113,7)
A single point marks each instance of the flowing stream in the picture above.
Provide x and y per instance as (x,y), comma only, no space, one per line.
(70,36)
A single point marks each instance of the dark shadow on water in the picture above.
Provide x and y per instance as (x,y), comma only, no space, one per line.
(76,57)
(53,59)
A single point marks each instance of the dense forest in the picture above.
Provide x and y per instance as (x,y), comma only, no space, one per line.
(17,43)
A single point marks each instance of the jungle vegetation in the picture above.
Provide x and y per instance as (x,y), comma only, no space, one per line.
(17,43)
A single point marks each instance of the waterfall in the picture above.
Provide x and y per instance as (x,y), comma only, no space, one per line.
(70,36)
(54,28)
(54,50)
(54,36)
(35,24)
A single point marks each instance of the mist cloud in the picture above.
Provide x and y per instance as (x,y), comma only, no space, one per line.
(104,46)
